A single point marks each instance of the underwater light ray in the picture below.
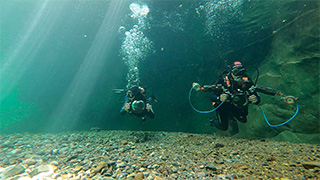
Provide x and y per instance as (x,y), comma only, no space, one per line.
(26,49)
(75,98)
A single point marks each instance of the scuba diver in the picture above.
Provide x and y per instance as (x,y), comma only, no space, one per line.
(235,90)
(231,95)
(137,103)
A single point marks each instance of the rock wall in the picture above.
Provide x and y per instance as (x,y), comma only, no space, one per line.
(292,67)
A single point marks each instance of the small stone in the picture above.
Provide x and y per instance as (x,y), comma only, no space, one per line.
(310,164)
(244,167)
(5,144)
(111,163)
(176,164)
(141,169)
(139,176)
(174,170)
(131,176)
(201,175)
(99,167)
(158,178)
(219,161)
(95,129)
(121,165)
(174,176)
(56,176)
(107,178)
(146,174)
(211,167)
(123,142)
(77,169)
(270,159)
(118,172)
(42,168)
(15,152)
(54,151)
(12,171)
(218,145)
(233,153)
(29,162)
(63,150)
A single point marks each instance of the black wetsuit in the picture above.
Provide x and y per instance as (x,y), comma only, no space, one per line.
(236,106)
(138,95)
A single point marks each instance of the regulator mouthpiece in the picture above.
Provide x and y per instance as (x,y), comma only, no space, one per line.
(196,86)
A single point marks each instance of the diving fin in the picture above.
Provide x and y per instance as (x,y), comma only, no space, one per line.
(154,98)
(118,91)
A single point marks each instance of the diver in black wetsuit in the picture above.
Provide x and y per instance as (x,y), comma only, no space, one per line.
(237,91)
(137,104)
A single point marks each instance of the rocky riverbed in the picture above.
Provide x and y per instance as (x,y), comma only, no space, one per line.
(152,155)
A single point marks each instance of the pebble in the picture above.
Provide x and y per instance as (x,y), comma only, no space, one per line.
(123,142)
(15,152)
(29,162)
(311,164)
(54,151)
(12,171)
(211,167)
(139,176)
(174,170)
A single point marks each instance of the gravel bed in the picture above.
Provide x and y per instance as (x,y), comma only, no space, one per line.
(141,155)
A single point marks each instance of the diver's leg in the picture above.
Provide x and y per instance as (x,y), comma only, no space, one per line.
(241,114)
(151,114)
(153,98)
(143,118)
(238,115)
(234,128)
(222,120)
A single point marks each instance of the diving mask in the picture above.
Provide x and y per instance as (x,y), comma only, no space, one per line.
(138,106)
(239,72)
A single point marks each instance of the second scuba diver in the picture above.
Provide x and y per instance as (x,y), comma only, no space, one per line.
(235,89)
(137,104)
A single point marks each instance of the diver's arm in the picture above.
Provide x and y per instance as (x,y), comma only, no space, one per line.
(125,107)
(214,97)
(149,111)
(215,91)
(254,98)
(122,111)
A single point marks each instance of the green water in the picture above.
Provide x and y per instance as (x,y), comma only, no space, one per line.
(60,61)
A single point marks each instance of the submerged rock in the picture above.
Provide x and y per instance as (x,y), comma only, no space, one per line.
(13,171)
(95,129)
(311,164)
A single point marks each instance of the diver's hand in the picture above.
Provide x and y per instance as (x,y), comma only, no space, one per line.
(126,106)
(253,99)
(223,97)
(148,107)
